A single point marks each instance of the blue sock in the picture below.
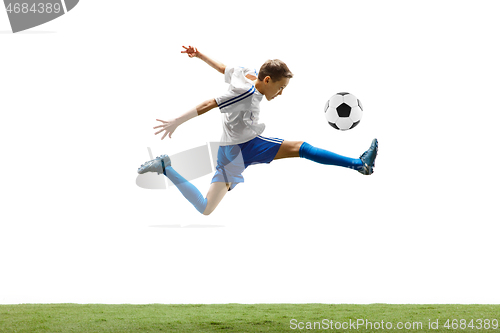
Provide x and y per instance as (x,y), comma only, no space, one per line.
(327,157)
(188,190)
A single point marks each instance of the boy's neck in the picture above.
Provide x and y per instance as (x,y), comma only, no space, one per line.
(259,86)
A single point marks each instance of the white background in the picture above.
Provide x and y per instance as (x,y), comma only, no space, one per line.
(79,97)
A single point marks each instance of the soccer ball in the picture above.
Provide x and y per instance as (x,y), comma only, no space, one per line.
(343,111)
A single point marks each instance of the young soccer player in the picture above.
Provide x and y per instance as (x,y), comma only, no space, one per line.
(242,143)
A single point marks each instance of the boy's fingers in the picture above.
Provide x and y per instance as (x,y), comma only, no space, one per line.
(163,129)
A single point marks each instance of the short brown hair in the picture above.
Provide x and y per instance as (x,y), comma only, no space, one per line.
(276,69)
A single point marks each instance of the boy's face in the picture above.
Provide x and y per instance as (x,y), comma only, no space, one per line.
(273,89)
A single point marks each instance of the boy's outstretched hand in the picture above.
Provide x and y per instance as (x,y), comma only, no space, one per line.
(168,126)
(191,51)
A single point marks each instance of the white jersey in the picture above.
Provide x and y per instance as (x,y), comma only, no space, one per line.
(240,107)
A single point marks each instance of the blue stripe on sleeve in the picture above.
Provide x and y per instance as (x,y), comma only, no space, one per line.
(238,98)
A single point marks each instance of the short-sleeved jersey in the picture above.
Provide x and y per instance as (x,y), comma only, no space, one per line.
(240,107)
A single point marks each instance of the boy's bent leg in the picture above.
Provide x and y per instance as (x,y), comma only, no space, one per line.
(215,194)
(188,190)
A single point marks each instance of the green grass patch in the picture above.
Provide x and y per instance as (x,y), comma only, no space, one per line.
(193,318)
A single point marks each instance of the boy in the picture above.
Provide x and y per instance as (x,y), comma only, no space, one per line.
(242,143)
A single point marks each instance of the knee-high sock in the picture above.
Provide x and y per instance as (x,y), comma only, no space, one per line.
(188,190)
(327,157)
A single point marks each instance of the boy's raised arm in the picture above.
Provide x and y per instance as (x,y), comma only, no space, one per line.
(193,52)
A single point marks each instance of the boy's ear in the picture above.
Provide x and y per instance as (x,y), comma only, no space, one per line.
(267,79)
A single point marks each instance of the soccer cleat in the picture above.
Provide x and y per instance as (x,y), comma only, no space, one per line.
(157,165)
(368,158)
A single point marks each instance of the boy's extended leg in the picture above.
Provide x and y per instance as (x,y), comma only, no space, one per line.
(364,164)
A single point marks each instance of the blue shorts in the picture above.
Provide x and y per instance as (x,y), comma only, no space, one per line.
(233,160)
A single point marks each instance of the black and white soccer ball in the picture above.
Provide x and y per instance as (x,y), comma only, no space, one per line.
(343,111)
